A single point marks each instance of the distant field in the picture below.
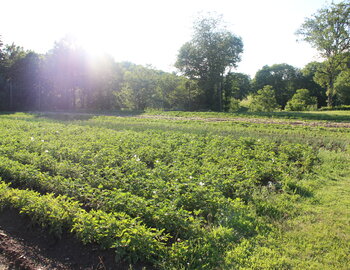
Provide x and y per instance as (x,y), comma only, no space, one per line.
(183,192)
(341,116)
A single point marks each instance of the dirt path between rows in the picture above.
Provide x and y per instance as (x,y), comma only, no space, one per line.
(26,246)
(329,124)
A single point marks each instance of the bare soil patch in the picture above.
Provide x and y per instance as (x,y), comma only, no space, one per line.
(26,246)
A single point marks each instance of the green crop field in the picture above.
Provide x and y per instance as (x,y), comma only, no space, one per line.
(336,116)
(176,191)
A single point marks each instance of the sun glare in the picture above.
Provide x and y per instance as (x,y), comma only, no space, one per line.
(93,46)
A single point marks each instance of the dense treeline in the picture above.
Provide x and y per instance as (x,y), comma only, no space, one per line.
(67,78)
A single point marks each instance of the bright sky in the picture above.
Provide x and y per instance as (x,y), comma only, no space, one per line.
(152,31)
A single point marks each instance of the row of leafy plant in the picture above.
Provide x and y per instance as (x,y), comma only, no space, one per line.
(191,196)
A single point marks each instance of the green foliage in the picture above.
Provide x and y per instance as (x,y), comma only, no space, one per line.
(264,100)
(328,31)
(237,85)
(336,108)
(212,50)
(302,101)
(342,87)
(316,238)
(283,78)
(309,76)
(139,89)
(67,78)
(1,44)
(234,105)
(175,198)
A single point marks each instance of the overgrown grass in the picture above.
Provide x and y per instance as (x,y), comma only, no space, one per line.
(318,237)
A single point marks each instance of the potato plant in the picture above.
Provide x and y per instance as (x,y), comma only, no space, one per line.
(173,198)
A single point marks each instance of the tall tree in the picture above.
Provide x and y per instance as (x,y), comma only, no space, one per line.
(65,69)
(9,68)
(2,78)
(212,51)
(342,86)
(328,31)
(308,81)
(1,53)
(104,78)
(236,86)
(26,82)
(139,90)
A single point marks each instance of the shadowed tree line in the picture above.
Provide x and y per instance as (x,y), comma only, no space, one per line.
(68,78)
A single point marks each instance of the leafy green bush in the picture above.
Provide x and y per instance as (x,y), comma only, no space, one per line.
(264,100)
(234,105)
(302,101)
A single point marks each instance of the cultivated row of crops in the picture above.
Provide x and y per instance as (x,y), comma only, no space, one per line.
(173,199)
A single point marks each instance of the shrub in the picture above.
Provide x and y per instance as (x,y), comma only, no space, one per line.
(234,105)
(336,108)
(264,100)
(302,101)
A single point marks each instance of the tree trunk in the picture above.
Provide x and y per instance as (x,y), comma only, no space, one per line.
(73,93)
(39,95)
(188,88)
(220,92)
(330,92)
(11,94)
(330,100)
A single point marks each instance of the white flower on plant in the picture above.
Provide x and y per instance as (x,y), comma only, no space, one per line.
(42,141)
(191,176)
(32,138)
(201,184)
(46,151)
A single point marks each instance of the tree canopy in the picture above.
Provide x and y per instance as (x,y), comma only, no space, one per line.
(283,78)
(328,31)
(264,100)
(212,51)
(68,78)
